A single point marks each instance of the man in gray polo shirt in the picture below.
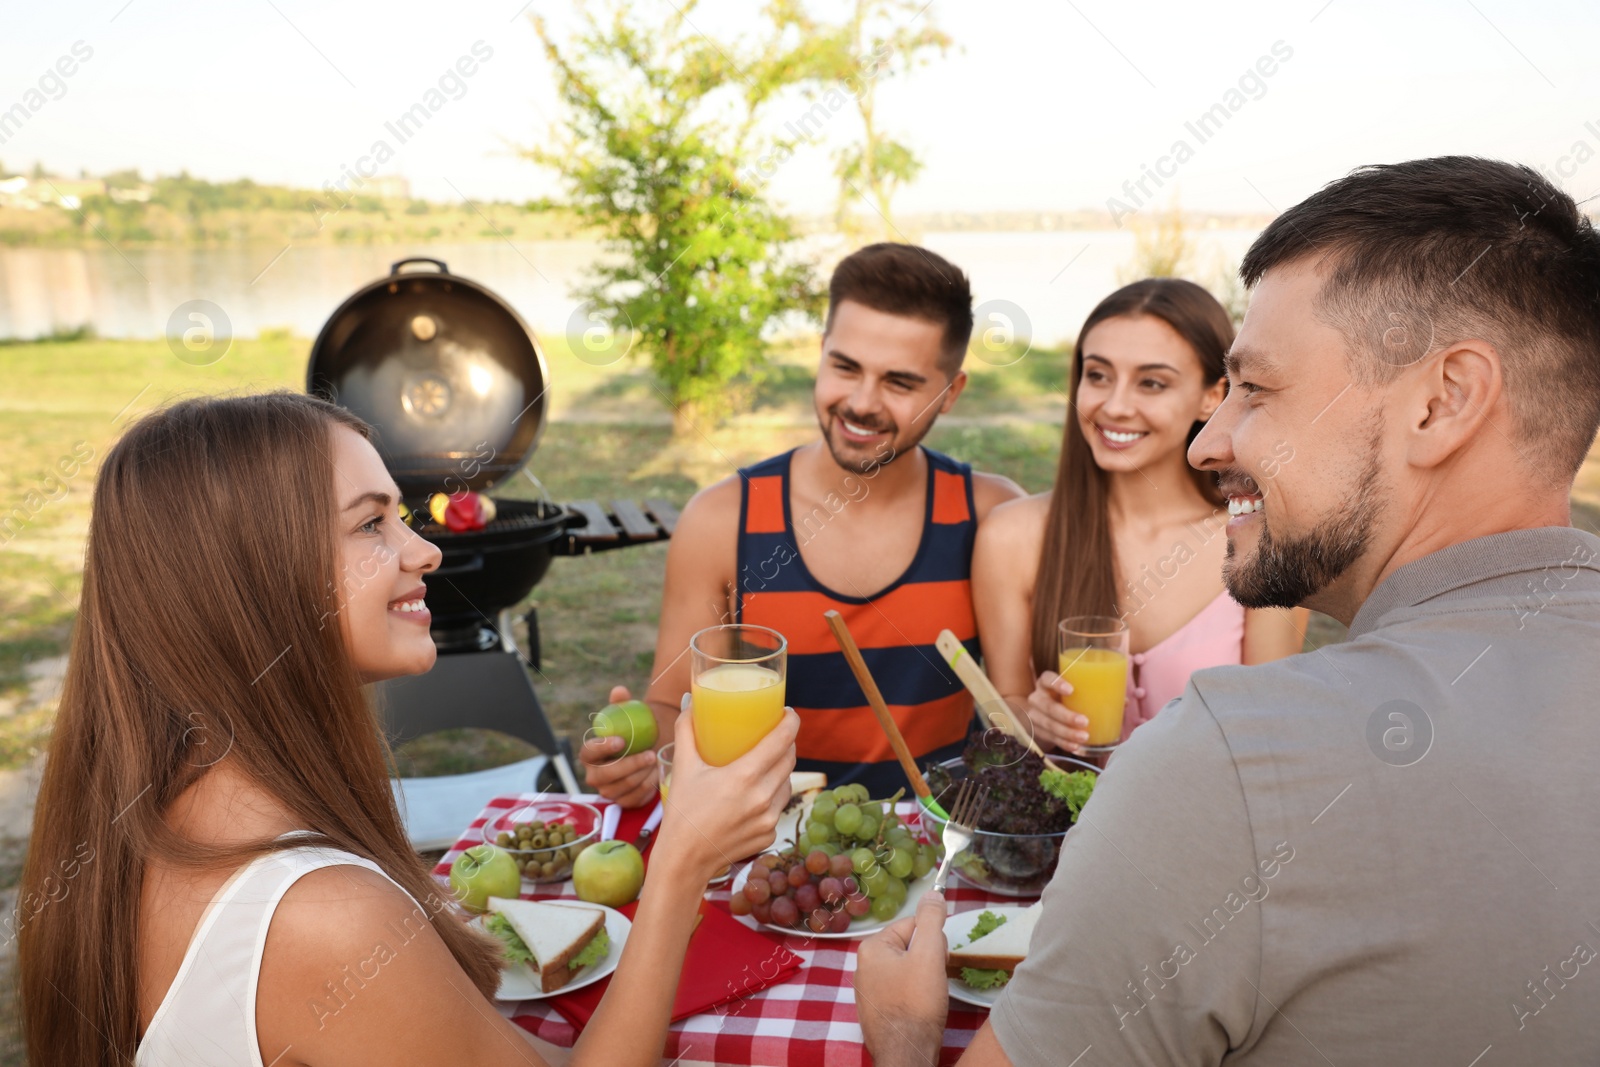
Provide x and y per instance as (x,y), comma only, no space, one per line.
(1384,851)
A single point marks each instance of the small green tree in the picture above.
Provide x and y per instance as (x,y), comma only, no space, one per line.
(661,152)
(879,40)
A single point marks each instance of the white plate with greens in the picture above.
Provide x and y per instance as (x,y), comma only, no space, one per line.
(518,981)
(958,933)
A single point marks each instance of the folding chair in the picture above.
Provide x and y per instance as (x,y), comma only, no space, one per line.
(487,690)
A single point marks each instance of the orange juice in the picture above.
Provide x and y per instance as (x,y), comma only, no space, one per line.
(735,706)
(1099,680)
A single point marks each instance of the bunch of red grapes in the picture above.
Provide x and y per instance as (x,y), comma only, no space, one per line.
(817,891)
(854,859)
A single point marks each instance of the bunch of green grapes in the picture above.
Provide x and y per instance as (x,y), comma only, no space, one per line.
(855,855)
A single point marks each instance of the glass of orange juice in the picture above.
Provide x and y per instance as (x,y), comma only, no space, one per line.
(1094,661)
(664,765)
(736,676)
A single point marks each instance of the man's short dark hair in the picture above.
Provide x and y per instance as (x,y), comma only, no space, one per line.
(1433,251)
(899,279)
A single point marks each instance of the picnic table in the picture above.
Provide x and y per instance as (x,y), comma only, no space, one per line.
(809,1020)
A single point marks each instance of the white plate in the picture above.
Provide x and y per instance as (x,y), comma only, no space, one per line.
(956,929)
(518,982)
(914,893)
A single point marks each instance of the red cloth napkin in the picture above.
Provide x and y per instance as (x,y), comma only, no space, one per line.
(726,960)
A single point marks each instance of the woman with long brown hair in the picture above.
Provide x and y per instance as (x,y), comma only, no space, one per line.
(217,858)
(1129,529)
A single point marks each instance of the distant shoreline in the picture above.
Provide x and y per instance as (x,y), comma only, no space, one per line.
(412,222)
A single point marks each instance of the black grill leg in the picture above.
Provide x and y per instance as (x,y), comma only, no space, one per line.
(532,619)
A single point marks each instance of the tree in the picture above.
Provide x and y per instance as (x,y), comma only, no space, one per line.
(880,39)
(1162,249)
(661,151)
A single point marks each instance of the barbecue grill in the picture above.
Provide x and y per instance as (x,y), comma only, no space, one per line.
(457,388)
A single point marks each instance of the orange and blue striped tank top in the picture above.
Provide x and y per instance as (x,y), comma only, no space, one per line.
(895,628)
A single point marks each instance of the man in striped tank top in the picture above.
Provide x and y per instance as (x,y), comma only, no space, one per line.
(863,520)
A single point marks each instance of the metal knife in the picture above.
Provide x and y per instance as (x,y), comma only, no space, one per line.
(642,842)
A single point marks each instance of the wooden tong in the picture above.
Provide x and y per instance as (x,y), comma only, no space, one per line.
(902,751)
(992,707)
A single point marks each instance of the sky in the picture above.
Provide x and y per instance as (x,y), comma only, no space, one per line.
(1042,106)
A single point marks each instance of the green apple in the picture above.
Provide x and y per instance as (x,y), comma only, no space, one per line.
(609,873)
(631,720)
(481,872)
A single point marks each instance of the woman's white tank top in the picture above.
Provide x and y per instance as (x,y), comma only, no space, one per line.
(208,1017)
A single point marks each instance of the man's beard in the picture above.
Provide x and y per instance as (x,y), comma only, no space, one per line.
(886,453)
(1286,572)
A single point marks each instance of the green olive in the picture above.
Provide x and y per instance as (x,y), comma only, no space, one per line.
(503,840)
(548,870)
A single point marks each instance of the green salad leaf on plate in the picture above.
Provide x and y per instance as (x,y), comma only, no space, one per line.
(515,950)
(979,979)
(594,951)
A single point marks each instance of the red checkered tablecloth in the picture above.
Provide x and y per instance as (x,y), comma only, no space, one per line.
(807,1021)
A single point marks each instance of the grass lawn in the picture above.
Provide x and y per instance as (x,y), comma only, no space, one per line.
(611,438)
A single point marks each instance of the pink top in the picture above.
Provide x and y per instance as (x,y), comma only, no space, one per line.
(1212,638)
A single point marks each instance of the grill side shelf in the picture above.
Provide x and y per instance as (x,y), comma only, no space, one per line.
(594,529)
(634,522)
(665,513)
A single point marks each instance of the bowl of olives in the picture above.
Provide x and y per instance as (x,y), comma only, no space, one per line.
(545,837)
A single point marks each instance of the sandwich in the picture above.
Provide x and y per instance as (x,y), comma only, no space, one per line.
(804,786)
(555,941)
(993,949)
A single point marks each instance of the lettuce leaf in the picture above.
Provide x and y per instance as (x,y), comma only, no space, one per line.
(987,923)
(977,978)
(594,951)
(514,949)
(1073,787)
(980,979)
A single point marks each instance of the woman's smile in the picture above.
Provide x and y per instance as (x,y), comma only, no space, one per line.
(412,607)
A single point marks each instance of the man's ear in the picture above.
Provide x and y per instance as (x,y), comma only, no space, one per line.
(1212,398)
(953,390)
(1455,400)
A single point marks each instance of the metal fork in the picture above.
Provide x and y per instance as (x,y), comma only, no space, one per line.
(958,829)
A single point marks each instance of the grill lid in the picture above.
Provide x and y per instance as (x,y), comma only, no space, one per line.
(448,374)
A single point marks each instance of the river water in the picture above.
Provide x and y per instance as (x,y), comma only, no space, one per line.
(1053,278)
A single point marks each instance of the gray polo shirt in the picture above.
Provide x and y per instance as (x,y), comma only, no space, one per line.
(1384,851)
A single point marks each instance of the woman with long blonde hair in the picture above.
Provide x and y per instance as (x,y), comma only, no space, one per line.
(218,873)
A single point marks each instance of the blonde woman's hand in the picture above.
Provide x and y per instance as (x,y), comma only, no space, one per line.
(716,816)
(1053,723)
